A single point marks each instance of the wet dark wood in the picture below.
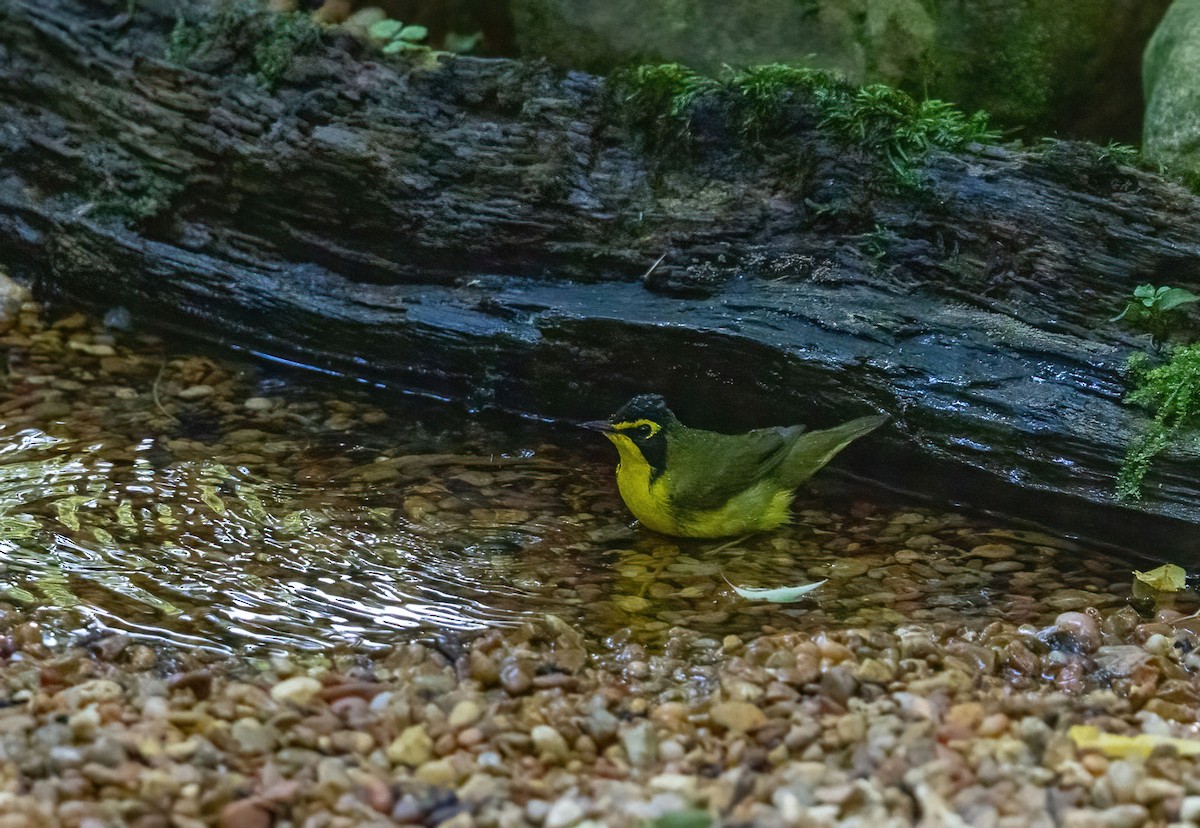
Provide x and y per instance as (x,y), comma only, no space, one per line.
(480,229)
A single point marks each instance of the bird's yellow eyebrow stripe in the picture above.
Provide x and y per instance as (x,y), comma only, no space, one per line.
(626,426)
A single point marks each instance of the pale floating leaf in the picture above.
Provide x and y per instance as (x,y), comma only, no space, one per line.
(1166,578)
(1123,747)
(779,595)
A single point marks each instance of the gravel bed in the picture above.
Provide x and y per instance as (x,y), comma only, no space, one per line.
(539,726)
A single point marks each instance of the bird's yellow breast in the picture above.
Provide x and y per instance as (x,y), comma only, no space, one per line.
(761,507)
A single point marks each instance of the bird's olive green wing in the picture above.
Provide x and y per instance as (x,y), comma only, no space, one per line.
(809,452)
(705,469)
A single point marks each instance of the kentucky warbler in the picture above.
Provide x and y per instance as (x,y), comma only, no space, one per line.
(700,484)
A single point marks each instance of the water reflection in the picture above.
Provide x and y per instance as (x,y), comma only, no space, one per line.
(197,547)
(217,504)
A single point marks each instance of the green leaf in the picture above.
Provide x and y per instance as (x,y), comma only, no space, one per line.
(1144,292)
(462,43)
(1166,578)
(780,595)
(400,46)
(413,33)
(1174,297)
(385,29)
(689,818)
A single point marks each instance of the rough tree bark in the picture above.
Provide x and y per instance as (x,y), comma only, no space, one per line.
(480,229)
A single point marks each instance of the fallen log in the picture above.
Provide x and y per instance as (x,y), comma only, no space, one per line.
(485,230)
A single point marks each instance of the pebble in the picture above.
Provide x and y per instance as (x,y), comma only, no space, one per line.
(90,692)
(12,297)
(252,736)
(196,392)
(993,551)
(413,747)
(245,813)
(437,772)
(296,690)
(641,744)
(516,677)
(550,744)
(1081,631)
(564,813)
(1189,809)
(91,349)
(738,717)
(466,712)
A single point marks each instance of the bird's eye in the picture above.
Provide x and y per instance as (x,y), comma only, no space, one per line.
(645,432)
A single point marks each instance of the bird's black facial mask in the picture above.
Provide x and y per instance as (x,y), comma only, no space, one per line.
(650,440)
(644,420)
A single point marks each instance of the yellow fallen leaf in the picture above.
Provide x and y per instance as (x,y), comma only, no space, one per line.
(1115,746)
(1166,578)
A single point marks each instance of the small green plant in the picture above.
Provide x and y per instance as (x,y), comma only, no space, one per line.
(875,243)
(1172,391)
(1149,307)
(1118,154)
(900,128)
(395,37)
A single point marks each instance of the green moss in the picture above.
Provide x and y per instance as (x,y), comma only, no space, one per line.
(1172,391)
(765,92)
(145,195)
(880,119)
(242,31)
(289,35)
(658,99)
(184,41)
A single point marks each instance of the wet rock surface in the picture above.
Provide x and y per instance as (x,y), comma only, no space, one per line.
(269,603)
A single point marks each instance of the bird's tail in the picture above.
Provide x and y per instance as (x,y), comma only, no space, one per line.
(813,449)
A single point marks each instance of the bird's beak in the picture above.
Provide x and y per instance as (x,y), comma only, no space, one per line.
(603,426)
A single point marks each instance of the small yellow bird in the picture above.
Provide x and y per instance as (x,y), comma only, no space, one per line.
(700,484)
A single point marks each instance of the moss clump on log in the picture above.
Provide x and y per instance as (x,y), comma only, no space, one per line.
(882,121)
(271,41)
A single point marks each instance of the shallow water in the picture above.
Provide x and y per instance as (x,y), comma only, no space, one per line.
(237,506)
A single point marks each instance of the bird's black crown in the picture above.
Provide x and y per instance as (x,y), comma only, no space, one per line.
(644,407)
